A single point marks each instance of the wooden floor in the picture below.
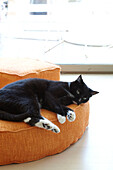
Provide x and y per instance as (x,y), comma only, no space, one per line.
(94,151)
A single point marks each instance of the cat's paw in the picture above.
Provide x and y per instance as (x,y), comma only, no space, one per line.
(46,124)
(71,116)
(27,119)
(61,118)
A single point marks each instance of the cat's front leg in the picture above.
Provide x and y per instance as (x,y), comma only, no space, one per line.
(62,111)
(71,116)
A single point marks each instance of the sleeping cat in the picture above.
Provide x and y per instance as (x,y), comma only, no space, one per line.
(23,99)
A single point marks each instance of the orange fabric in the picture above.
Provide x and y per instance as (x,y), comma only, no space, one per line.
(20,142)
(13,69)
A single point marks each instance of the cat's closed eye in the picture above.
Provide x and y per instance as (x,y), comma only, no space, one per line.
(84,98)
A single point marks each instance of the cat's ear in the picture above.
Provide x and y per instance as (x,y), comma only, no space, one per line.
(79,79)
(94,92)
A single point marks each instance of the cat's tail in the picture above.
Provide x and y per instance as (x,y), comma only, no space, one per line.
(12,117)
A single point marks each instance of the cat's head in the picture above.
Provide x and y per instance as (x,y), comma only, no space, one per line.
(80,91)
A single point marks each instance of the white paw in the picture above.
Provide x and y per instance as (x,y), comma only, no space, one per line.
(46,124)
(27,119)
(61,118)
(71,116)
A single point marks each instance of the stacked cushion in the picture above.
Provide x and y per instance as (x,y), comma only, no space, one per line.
(13,69)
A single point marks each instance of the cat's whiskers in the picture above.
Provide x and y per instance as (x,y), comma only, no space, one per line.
(69,83)
(80,100)
(74,102)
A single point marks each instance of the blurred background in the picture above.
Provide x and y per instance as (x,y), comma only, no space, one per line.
(76,34)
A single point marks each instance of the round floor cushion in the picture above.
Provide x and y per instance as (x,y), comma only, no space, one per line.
(20,142)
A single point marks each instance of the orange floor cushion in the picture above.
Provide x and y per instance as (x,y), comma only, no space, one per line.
(20,142)
(13,69)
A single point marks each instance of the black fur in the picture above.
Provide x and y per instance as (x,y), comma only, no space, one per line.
(24,98)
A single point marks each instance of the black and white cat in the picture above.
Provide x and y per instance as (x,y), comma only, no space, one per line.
(23,99)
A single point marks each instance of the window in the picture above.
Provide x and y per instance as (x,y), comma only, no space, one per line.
(38,1)
(72,33)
